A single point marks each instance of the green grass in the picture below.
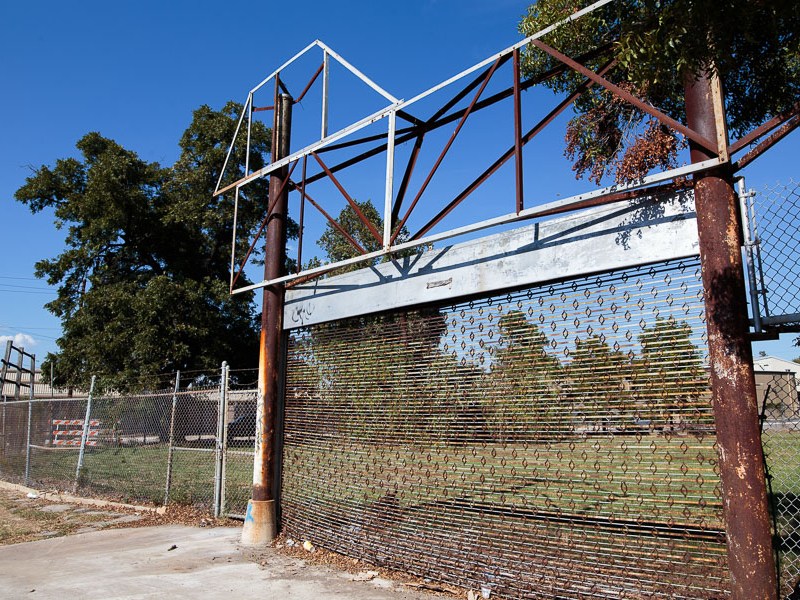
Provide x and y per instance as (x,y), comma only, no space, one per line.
(782,450)
(138,473)
(626,477)
(631,477)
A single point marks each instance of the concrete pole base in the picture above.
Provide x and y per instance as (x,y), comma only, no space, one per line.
(260,526)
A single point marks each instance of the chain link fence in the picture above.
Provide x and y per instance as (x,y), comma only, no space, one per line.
(190,442)
(773,232)
(780,418)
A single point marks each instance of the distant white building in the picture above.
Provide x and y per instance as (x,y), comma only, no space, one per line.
(773,364)
(782,378)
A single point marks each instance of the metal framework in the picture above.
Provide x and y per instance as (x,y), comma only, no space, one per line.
(415,129)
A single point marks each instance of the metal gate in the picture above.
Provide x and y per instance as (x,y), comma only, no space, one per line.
(555,441)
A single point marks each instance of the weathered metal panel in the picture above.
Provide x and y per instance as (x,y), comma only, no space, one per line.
(555,441)
(593,241)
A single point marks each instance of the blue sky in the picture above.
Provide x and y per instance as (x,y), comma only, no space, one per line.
(134,71)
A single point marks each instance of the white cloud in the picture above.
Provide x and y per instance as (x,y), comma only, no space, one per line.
(21,340)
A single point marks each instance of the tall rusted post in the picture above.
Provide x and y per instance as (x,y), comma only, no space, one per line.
(744,492)
(260,525)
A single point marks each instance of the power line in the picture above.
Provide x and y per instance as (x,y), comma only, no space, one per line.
(20,278)
(26,292)
(25,287)
(10,326)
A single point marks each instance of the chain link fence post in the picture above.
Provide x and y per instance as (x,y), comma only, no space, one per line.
(84,436)
(30,421)
(224,419)
(218,450)
(171,450)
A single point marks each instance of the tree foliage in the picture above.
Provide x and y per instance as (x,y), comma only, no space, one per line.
(670,372)
(522,370)
(338,247)
(142,282)
(753,45)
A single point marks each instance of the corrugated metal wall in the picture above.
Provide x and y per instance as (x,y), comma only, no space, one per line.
(552,442)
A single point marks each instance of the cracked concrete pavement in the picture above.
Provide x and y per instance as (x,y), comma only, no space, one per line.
(174,561)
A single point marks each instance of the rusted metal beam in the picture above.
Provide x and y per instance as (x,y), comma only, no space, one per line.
(585,85)
(413,131)
(447,146)
(467,89)
(408,133)
(331,220)
(744,491)
(518,133)
(401,191)
(784,130)
(309,84)
(272,302)
(262,226)
(410,118)
(300,97)
(765,128)
(424,125)
(627,96)
(261,520)
(372,229)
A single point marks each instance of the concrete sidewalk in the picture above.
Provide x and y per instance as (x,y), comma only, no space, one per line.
(173,561)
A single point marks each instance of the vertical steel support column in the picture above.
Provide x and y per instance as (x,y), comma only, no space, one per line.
(233,240)
(171,451)
(744,492)
(301,222)
(84,436)
(249,109)
(389,192)
(260,523)
(325,77)
(20,362)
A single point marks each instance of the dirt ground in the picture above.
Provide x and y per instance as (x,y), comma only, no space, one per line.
(70,526)
(27,516)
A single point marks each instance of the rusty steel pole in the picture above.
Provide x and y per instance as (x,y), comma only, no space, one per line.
(744,492)
(260,524)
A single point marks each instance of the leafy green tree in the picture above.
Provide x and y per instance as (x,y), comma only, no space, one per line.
(524,381)
(598,386)
(142,282)
(670,379)
(753,46)
(338,247)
